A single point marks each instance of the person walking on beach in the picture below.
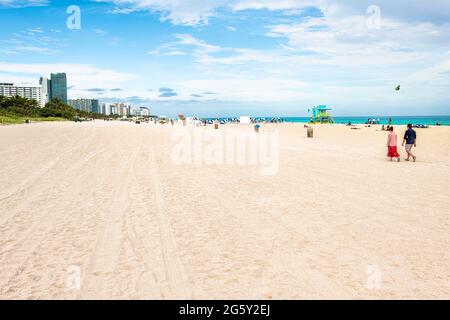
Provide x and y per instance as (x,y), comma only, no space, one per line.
(392,145)
(410,139)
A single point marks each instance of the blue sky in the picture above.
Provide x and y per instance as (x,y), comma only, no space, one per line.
(237,57)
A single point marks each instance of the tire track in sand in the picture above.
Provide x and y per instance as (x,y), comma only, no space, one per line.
(140,229)
(30,230)
(30,182)
(99,275)
(175,273)
(23,202)
(31,240)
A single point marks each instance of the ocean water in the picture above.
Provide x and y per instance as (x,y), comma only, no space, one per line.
(417,120)
(425,120)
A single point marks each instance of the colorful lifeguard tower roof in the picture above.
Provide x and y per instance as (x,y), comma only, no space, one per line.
(320,114)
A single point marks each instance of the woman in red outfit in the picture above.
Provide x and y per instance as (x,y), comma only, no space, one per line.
(392,145)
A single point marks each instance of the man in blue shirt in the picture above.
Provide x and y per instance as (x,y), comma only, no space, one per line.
(410,139)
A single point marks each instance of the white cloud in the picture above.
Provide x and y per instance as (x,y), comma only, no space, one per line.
(31,41)
(36,30)
(350,40)
(248,89)
(411,10)
(206,53)
(274,5)
(27,49)
(179,12)
(317,59)
(199,47)
(242,57)
(176,53)
(82,76)
(100,32)
(189,40)
(23,3)
(198,12)
(328,59)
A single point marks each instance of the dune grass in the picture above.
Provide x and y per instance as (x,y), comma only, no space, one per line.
(12,119)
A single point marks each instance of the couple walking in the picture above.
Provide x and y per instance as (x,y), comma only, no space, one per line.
(409,139)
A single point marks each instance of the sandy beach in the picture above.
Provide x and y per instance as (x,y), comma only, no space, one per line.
(100,211)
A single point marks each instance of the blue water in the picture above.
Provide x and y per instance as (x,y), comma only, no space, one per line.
(417,120)
(425,120)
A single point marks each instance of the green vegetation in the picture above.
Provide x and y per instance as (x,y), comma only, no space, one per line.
(14,119)
(17,109)
(5,119)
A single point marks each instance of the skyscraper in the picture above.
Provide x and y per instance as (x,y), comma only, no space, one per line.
(121,109)
(103,109)
(59,86)
(46,89)
(95,106)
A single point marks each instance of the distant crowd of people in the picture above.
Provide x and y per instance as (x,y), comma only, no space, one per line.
(373,121)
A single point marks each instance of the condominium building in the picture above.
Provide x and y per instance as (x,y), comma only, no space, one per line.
(58,84)
(121,109)
(141,112)
(95,106)
(48,89)
(88,105)
(34,93)
(106,109)
(46,86)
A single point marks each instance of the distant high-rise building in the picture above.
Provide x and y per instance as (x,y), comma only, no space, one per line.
(145,112)
(34,93)
(121,109)
(141,112)
(46,89)
(58,86)
(95,107)
(88,105)
(55,87)
(106,109)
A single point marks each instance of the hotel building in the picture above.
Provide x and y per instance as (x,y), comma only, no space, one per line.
(35,93)
(88,105)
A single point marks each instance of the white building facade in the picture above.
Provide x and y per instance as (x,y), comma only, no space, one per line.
(10,90)
(141,112)
(46,89)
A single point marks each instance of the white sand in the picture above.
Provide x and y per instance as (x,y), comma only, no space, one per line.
(105,199)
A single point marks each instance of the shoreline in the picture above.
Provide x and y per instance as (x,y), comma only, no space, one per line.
(50,120)
(425,120)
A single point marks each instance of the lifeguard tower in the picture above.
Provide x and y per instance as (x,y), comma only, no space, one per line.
(320,114)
